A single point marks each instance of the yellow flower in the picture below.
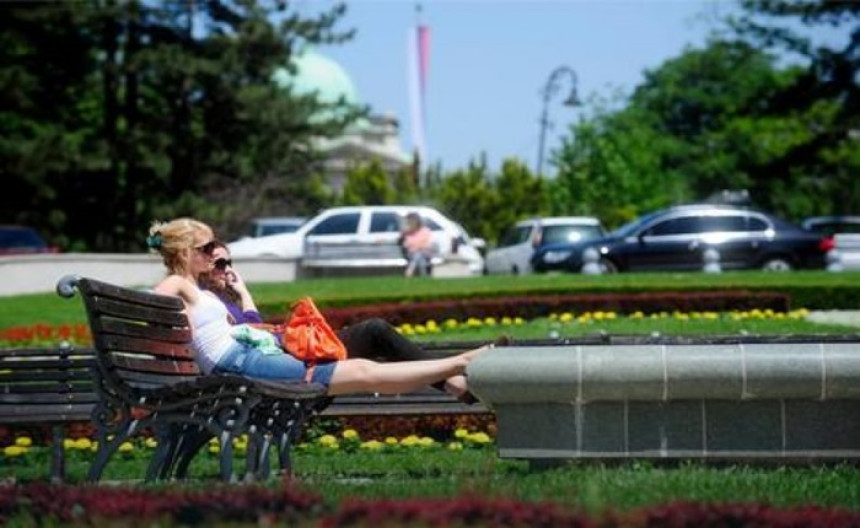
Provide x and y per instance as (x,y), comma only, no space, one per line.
(519,321)
(566,317)
(410,440)
(350,434)
(390,440)
(214,449)
(23,441)
(68,443)
(431,325)
(426,441)
(126,447)
(637,315)
(328,441)
(451,323)
(507,321)
(83,444)
(455,446)
(150,442)
(371,445)
(479,438)
(490,321)
(14,450)
(461,433)
(472,321)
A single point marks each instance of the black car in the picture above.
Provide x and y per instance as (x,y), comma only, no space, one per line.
(675,239)
(22,240)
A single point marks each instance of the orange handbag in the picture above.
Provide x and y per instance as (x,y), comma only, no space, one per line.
(308,336)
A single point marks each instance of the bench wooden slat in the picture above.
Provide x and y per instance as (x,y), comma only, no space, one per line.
(93,288)
(156,366)
(145,331)
(50,413)
(146,380)
(71,375)
(71,354)
(60,365)
(36,388)
(113,343)
(112,308)
(47,398)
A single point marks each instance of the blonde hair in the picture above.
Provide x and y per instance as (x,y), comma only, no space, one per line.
(173,239)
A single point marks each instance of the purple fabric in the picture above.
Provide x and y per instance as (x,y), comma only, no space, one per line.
(240,316)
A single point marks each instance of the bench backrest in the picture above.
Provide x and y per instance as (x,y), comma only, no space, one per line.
(46,385)
(143,339)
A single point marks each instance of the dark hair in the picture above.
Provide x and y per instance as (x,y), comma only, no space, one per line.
(226,291)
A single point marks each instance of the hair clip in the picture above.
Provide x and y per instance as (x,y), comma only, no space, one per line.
(154,241)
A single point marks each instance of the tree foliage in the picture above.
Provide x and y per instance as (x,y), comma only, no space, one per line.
(736,114)
(115,113)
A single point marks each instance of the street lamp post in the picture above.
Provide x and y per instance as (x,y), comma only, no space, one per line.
(551,87)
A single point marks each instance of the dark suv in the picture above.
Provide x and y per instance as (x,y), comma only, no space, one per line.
(675,239)
(22,240)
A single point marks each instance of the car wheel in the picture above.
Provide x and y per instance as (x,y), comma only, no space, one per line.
(777,264)
(607,266)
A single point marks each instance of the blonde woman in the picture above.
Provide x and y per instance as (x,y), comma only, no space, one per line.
(186,246)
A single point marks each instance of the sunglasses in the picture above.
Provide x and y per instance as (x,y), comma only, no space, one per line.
(221,264)
(207,248)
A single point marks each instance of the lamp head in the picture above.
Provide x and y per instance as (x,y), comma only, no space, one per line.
(573,99)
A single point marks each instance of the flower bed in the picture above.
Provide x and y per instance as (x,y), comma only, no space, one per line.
(289,505)
(532,307)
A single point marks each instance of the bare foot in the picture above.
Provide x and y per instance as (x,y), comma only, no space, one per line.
(457,386)
(472,354)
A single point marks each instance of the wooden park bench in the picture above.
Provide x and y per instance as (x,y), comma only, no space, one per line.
(146,378)
(52,387)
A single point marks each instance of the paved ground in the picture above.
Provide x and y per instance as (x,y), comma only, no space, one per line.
(840,317)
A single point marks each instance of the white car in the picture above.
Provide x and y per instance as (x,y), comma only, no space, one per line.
(519,242)
(362,234)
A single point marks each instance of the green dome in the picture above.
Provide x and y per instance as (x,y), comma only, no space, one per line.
(317,73)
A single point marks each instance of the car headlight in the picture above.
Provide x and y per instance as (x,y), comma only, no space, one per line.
(554,257)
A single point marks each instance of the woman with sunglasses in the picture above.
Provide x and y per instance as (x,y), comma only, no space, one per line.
(187,246)
(227,284)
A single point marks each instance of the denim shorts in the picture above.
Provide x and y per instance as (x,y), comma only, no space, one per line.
(250,362)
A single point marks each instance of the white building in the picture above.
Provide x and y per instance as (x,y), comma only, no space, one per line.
(376,137)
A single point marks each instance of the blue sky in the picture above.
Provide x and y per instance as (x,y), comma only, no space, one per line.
(490,59)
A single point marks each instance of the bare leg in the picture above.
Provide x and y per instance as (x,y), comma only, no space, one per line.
(361,375)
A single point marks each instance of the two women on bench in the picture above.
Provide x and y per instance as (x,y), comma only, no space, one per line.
(187,247)
(372,338)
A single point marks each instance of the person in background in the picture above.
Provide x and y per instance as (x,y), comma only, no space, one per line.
(418,246)
(187,246)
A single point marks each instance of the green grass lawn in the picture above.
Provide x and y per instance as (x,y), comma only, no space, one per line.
(50,309)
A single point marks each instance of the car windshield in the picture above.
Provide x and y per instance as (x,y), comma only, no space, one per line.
(632,227)
(570,233)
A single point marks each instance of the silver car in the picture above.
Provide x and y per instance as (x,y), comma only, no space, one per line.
(518,242)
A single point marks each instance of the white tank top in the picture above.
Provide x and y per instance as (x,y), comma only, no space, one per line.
(212,336)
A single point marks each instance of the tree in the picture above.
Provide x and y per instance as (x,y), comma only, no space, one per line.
(368,184)
(827,90)
(143,110)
